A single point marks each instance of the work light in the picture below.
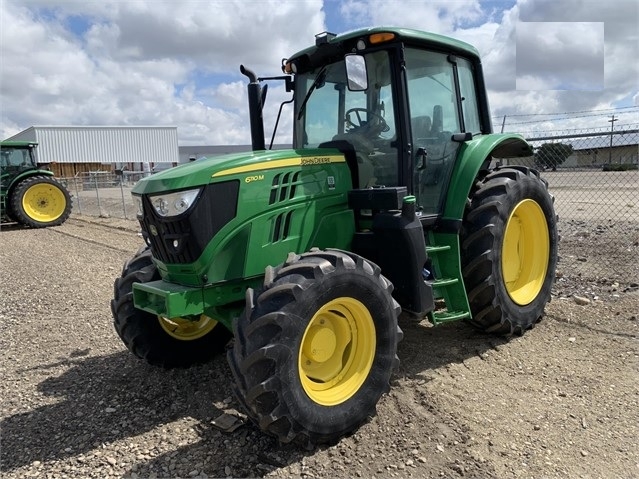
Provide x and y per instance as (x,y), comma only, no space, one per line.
(174,204)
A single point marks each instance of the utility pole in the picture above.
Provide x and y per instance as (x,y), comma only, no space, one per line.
(503,123)
(612,127)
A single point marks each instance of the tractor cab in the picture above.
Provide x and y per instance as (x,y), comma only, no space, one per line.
(398,109)
(16,157)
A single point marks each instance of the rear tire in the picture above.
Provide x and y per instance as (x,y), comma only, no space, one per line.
(509,250)
(159,341)
(40,201)
(315,349)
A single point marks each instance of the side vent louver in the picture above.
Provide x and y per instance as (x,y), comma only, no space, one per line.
(281,226)
(284,187)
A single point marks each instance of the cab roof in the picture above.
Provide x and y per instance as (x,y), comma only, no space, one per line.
(346,41)
(18,143)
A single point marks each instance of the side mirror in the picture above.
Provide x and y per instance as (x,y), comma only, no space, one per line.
(356,72)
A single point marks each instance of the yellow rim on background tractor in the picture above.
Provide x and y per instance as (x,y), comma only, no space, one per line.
(525,252)
(185,329)
(44,202)
(337,351)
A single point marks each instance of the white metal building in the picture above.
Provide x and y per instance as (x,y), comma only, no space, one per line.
(74,149)
(188,153)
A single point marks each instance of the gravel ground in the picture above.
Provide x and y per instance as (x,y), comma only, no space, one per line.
(560,401)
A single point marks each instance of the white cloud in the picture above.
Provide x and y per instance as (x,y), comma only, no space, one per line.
(621,47)
(560,55)
(437,16)
(534,82)
(141,62)
(176,63)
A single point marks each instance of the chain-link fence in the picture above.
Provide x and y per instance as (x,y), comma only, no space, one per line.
(592,174)
(104,193)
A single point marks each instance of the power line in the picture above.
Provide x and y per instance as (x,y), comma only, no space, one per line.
(597,129)
(566,112)
(578,135)
(560,119)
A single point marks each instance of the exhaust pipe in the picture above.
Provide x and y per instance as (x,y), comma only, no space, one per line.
(255,109)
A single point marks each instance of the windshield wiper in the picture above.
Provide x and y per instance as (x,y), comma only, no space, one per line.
(319,78)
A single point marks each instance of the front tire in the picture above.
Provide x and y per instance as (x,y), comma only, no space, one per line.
(169,343)
(509,250)
(316,347)
(40,201)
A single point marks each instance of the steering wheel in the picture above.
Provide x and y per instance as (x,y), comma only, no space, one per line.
(376,127)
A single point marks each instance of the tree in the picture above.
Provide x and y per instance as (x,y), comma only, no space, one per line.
(550,155)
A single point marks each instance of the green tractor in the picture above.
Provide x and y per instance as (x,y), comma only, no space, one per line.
(30,195)
(386,203)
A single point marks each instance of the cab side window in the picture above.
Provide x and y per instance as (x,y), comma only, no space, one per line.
(469,99)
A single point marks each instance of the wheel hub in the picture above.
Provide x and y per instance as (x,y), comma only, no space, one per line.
(525,252)
(337,351)
(44,202)
(186,329)
(320,344)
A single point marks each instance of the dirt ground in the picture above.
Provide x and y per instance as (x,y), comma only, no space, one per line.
(560,401)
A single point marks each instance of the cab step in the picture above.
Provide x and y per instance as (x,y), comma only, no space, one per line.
(440,317)
(436,249)
(448,287)
(443,282)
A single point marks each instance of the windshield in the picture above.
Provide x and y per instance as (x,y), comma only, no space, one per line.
(363,119)
(329,112)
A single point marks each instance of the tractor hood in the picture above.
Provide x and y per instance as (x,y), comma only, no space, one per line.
(243,165)
(290,200)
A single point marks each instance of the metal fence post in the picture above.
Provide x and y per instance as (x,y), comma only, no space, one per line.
(97,194)
(77,194)
(122,194)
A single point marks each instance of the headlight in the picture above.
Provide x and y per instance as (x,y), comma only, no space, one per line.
(173,204)
(137,200)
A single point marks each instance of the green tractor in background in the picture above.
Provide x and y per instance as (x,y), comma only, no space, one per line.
(30,195)
(387,202)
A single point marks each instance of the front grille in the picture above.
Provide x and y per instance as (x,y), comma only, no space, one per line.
(181,239)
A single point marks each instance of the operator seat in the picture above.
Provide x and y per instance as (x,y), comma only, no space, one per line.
(421,126)
(441,153)
(438,121)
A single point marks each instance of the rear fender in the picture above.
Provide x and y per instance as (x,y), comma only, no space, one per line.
(473,156)
(29,173)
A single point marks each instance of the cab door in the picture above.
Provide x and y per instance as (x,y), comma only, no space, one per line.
(440,97)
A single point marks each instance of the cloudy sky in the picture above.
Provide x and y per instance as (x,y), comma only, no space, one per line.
(550,64)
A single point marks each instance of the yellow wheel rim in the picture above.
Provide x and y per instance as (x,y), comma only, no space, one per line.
(525,252)
(185,329)
(44,202)
(337,351)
